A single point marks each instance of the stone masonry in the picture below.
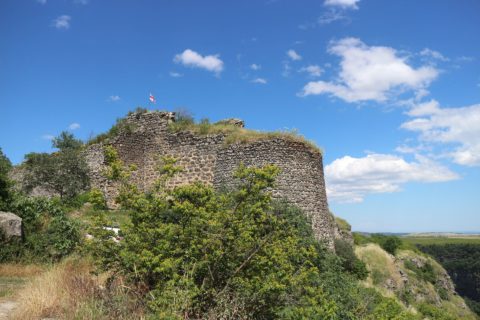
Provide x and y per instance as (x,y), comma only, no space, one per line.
(208,159)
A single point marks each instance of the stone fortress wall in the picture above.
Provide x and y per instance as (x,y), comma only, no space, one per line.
(208,159)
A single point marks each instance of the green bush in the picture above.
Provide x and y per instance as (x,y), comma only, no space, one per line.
(350,262)
(433,312)
(97,199)
(49,234)
(198,253)
(425,273)
(5,183)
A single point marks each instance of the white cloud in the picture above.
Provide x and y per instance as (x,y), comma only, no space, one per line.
(74,126)
(370,73)
(332,16)
(62,22)
(312,70)
(175,74)
(350,179)
(346,4)
(260,81)
(425,108)
(292,54)
(457,129)
(193,59)
(48,137)
(255,66)
(429,53)
(114,98)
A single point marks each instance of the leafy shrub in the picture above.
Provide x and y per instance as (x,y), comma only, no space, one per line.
(97,199)
(49,234)
(5,183)
(199,253)
(434,312)
(350,262)
(425,273)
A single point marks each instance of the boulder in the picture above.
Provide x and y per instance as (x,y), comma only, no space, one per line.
(10,225)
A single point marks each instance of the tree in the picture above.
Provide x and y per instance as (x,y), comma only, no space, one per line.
(64,172)
(5,183)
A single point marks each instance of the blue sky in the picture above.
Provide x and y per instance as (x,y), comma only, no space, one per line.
(389,89)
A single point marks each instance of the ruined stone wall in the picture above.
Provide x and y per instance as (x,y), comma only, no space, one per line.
(208,159)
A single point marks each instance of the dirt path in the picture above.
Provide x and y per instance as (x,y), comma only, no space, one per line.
(6,307)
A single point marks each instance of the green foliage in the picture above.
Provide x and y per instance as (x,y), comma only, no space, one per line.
(49,234)
(5,183)
(433,312)
(97,199)
(342,224)
(120,125)
(360,239)
(66,141)
(64,172)
(425,272)
(388,243)
(350,262)
(199,253)
(462,262)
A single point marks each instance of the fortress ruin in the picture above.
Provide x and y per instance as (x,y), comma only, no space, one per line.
(210,158)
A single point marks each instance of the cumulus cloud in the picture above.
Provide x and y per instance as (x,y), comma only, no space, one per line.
(370,73)
(346,4)
(62,22)
(292,54)
(260,81)
(74,126)
(190,58)
(114,98)
(350,179)
(255,66)
(312,70)
(454,128)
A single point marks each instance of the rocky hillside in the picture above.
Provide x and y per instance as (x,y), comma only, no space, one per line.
(415,280)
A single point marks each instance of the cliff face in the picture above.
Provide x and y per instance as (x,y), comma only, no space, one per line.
(209,159)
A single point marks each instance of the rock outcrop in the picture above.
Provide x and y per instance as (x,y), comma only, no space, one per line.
(10,225)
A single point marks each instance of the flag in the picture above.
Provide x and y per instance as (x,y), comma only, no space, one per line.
(152,98)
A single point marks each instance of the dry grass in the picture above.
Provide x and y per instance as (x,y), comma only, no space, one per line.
(55,291)
(236,134)
(381,266)
(20,270)
(69,290)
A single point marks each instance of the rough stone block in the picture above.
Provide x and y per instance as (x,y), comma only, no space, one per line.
(10,225)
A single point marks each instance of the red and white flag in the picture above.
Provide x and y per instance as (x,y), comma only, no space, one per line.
(152,98)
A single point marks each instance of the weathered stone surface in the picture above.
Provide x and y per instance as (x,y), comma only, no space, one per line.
(10,225)
(208,159)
